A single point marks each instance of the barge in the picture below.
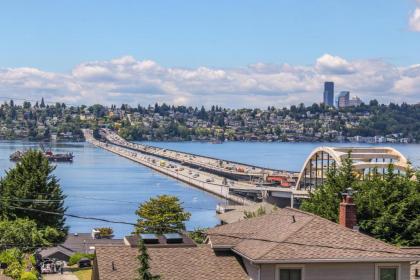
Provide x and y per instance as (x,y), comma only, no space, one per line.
(66,157)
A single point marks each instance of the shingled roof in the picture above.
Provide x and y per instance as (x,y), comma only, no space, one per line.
(201,262)
(290,235)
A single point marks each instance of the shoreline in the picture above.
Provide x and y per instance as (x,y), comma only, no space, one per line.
(210,142)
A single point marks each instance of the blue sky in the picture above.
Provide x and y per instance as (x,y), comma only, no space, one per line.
(59,36)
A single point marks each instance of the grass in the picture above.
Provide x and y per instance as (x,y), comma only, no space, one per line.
(82,273)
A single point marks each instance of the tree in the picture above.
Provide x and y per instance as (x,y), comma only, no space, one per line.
(144,268)
(387,205)
(24,235)
(325,200)
(29,189)
(388,208)
(162,214)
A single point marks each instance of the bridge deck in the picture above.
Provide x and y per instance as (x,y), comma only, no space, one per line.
(210,182)
(231,169)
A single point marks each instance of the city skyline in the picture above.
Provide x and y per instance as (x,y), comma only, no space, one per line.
(248,55)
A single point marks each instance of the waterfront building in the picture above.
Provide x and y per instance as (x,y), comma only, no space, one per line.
(329,93)
(365,160)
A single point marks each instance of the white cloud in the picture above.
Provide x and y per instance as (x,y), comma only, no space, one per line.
(127,80)
(329,64)
(414,20)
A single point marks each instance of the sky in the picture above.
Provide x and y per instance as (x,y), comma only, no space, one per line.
(232,53)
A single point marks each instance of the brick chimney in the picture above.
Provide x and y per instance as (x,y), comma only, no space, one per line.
(347,215)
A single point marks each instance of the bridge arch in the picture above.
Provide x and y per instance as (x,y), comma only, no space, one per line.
(365,160)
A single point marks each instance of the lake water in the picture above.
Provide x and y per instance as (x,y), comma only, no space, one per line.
(103,185)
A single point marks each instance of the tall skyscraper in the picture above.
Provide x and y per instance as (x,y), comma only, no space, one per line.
(329,93)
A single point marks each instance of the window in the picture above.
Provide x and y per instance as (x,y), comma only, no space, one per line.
(290,274)
(387,272)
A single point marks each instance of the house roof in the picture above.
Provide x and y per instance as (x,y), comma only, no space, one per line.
(133,241)
(178,263)
(290,235)
(237,212)
(82,241)
(45,253)
(4,277)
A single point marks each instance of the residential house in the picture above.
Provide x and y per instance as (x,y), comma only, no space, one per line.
(174,261)
(291,244)
(286,244)
(77,243)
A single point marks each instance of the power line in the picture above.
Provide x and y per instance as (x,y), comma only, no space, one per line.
(310,245)
(70,215)
(218,234)
(92,198)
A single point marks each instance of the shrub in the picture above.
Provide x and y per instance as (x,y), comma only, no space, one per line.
(198,235)
(14,270)
(74,259)
(11,255)
(105,232)
(28,276)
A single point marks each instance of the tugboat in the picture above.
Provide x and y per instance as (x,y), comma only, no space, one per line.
(67,157)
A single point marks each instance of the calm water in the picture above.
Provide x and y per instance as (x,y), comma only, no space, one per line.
(285,156)
(101,184)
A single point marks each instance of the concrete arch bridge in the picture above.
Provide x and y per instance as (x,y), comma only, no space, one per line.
(365,160)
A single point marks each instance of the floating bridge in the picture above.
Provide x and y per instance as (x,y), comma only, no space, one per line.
(245,183)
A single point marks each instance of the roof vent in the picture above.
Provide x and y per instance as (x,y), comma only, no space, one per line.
(113,266)
(149,238)
(172,238)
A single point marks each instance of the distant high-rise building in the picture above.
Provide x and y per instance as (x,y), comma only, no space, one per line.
(329,93)
(343,99)
(355,101)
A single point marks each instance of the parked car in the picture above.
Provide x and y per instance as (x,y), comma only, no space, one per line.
(84,262)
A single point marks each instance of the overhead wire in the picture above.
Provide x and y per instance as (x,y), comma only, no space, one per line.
(70,215)
(227,235)
(35,200)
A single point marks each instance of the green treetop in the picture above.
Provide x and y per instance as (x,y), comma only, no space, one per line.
(161,214)
(29,188)
(387,204)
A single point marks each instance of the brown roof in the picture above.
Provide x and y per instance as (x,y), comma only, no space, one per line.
(4,277)
(288,235)
(237,212)
(178,263)
(79,242)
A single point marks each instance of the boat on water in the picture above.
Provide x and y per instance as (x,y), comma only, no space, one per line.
(66,157)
